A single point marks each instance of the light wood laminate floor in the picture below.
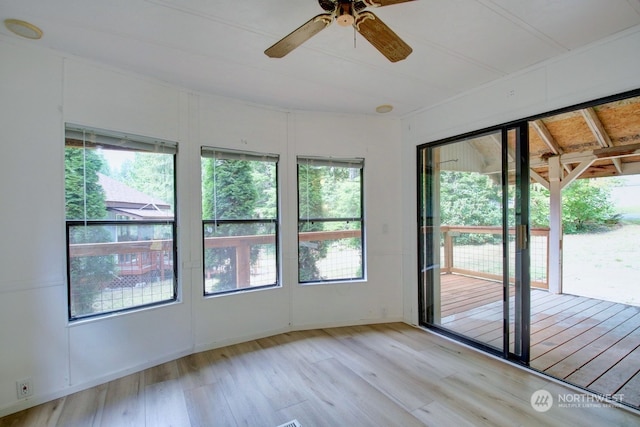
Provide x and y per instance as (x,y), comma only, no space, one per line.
(379,375)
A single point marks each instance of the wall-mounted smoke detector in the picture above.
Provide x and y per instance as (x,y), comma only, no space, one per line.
(23,29)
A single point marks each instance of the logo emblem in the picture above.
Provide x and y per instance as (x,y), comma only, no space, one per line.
(541,400)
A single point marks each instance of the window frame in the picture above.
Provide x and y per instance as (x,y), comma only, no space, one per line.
(120,141)
(231,154)
(354,162)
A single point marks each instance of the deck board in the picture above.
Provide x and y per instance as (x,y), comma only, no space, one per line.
(589,342)
(572,363)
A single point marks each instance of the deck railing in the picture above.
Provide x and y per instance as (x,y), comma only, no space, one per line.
(463,252)
(481,260)
(139,258)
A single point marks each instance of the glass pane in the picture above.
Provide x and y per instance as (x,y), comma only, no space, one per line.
(330,250)
(239,255)
(113,267)
(118,184)
(329,192)
(461,238)
(238,189)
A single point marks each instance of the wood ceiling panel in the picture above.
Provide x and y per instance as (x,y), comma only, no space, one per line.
(621,120)
(571,132)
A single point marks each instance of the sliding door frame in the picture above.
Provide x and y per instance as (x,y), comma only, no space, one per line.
(426,270)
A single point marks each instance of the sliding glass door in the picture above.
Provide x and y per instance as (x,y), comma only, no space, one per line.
(473,229)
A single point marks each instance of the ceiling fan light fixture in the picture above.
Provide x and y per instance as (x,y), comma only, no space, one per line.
(345,20)
(23,29)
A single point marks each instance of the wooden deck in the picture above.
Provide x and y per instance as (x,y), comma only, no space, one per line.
(588,342)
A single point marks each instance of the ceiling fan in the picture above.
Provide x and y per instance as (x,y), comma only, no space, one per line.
(346,13)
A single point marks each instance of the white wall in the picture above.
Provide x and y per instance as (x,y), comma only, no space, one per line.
(41,90)
(605,68)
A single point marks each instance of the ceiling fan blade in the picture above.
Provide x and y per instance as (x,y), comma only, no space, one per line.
(382,37)
(299,35)
(362,4)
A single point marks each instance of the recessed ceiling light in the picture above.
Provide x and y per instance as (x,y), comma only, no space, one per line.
(23,29)
(385,108)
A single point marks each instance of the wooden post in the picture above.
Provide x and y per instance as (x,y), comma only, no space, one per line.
(243,266)
(448,249)
(555,225)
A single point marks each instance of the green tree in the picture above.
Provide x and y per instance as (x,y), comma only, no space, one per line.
(263,175)
(470,199)
(310,206)
(142,174)
(85,200)
(586,206)
(229,193)
(84,197)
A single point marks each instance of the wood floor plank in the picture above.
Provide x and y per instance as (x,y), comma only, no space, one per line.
(83,408)
(45,415)
(579,325)
(584,341)
(543,338)
(378,375)
(382,372)
(630,392)
(207,406)
(165,404)
(195,370)
(619,374)
(160,373)
(123,404)
(605,360)
(441,414)
(378,410)
(569,365)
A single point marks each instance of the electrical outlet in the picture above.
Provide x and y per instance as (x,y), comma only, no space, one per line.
(24,388)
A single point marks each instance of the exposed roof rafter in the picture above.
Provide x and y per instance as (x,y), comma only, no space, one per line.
(598,130)
(549,140)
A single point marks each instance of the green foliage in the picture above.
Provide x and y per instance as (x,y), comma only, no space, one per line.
(142,174)
(538,206)
(87,274)
(228,192)
(84,197)
(310,206)
(263,175)
(473,199)
(470,199)
(586,206)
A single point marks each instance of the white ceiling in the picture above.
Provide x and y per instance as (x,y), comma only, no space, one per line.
(217,46)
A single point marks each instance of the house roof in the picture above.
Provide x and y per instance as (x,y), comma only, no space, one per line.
(121,198)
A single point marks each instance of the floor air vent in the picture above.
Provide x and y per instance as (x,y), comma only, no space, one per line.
(293,423)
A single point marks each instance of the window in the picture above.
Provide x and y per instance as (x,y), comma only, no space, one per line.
(239,220)
(120,217)
(330,220)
